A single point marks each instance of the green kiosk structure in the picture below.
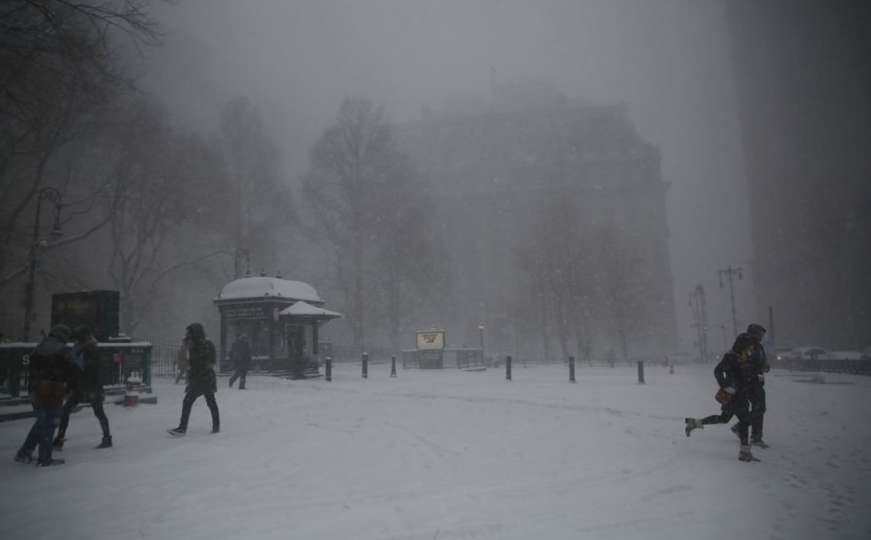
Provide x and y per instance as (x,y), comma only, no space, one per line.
(281,319)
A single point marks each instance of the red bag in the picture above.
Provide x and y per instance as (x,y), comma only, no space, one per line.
(722,396)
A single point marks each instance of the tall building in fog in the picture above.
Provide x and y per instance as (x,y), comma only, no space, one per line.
(803,80)
(488,162)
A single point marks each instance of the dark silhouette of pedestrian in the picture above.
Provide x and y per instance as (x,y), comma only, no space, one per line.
(240,355)
(735,374)
(51,369)
(87,388)
(201,378)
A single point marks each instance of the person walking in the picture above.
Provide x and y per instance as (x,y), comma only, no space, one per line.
(182,364)
(201,378)
(735,375)
(51,368)
(240,354)
(88,387)
(756,332)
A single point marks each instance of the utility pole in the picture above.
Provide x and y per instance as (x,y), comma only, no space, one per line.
(729,274)
(700,316)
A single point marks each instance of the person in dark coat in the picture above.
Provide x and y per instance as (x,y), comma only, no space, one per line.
(240,354)
(759,359)
(201,378)
(51,370)
(88,387)
(735,375)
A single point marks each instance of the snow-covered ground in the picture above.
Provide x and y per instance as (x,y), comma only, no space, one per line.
(449,454)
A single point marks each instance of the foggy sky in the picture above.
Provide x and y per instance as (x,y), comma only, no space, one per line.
(667,60)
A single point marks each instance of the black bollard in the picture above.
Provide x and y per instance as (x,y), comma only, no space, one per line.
(365,365)
(571,369)
(393,366)
(641,372)
(508,368)
(328,368)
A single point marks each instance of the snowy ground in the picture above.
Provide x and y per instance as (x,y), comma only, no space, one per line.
(448,454)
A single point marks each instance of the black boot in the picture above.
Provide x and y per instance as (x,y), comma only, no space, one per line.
(177,432)
(106,442)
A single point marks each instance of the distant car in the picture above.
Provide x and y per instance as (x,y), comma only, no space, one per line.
(808,353)
(782,353)
(844,355)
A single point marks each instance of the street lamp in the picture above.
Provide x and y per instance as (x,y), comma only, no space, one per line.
(53,195)
(481,336)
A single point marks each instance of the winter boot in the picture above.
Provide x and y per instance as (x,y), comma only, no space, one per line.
(58,443)
(22,457)
(51,462)
(691,424)
(759,442)
(106,442)
(177,432)
(745,455)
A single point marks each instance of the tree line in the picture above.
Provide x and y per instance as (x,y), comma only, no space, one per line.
(167,215)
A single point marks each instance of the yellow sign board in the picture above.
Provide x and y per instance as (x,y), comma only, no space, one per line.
(431,340)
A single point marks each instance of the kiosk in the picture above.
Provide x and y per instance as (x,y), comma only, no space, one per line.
(280,318)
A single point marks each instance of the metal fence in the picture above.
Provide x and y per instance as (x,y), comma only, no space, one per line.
(163,357)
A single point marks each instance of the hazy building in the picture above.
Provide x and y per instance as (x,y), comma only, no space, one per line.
(487,162)
(803,79)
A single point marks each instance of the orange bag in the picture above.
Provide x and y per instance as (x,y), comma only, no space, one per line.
(49,394)
(722,396)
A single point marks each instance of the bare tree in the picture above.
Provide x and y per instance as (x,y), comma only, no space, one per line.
(263,204)
(622,285)
(165,179)
(556,255)
(58,68)
(374,215)
(413,269)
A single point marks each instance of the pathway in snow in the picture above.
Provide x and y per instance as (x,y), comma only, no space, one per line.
(449,454)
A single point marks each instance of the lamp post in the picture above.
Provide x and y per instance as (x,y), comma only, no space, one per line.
(54,196)
(729,274)
(481,336)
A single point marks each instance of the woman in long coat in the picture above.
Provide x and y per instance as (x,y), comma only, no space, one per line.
(201,378)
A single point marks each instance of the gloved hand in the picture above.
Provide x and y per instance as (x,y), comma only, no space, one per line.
(761,377)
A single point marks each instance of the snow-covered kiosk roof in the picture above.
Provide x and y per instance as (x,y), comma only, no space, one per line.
(268,288)
(305,310)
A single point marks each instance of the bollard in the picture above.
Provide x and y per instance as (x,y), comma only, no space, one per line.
(404,366)
(393,366)
(571,369)
(328,367)
(508,368)
(641,372)
(365,365)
